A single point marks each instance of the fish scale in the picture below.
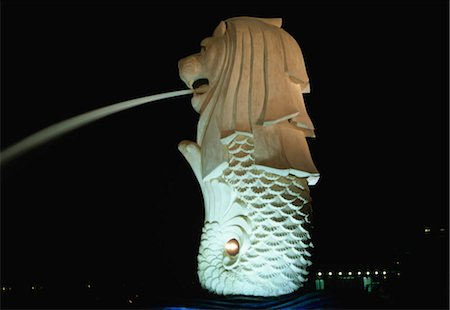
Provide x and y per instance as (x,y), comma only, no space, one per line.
(276,207)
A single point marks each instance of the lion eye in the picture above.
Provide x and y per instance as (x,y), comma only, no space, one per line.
(203,48)
(232,247)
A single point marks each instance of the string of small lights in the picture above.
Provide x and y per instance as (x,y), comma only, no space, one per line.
(358,273)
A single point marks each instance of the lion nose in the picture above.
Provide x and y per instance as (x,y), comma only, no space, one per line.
(189,69)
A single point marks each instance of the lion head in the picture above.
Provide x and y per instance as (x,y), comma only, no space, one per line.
(248,79)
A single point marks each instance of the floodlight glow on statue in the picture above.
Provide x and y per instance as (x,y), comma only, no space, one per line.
(251,158)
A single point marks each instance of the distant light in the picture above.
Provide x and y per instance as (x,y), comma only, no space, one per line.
(384,272)
(398,273)
(3,288)
(398,263)
(130,301)
(330,273)
(427,230)
(10,288)
(376,272)
(137,295)
(359,273)
(88,286)
(32,287)
(319,273)
(442,229)
(368,273)
(349,273)
(340,273)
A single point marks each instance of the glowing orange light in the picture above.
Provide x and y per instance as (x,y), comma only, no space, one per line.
(232,247)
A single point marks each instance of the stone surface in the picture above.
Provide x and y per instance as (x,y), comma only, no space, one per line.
(251,158)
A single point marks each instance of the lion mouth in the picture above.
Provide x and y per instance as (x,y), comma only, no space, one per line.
(200,86)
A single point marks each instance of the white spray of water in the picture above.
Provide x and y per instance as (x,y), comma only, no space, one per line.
(75,122)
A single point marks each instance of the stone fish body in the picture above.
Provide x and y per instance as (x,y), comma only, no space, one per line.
(251,160)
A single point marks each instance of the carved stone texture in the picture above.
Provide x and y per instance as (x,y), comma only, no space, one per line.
(251,158)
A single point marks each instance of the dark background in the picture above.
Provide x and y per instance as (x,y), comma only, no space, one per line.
(114,204)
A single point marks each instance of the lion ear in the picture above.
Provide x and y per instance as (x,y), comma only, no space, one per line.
(272,21)
(220,29)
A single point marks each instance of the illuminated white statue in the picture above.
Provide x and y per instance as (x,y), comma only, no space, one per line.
(251,158)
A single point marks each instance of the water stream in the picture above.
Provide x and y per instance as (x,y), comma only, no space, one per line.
(58,129)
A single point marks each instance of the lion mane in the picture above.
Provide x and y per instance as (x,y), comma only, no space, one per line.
(259,94)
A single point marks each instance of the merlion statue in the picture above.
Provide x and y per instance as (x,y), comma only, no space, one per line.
(251,158)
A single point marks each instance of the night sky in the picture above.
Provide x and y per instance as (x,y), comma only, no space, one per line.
(115,202)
